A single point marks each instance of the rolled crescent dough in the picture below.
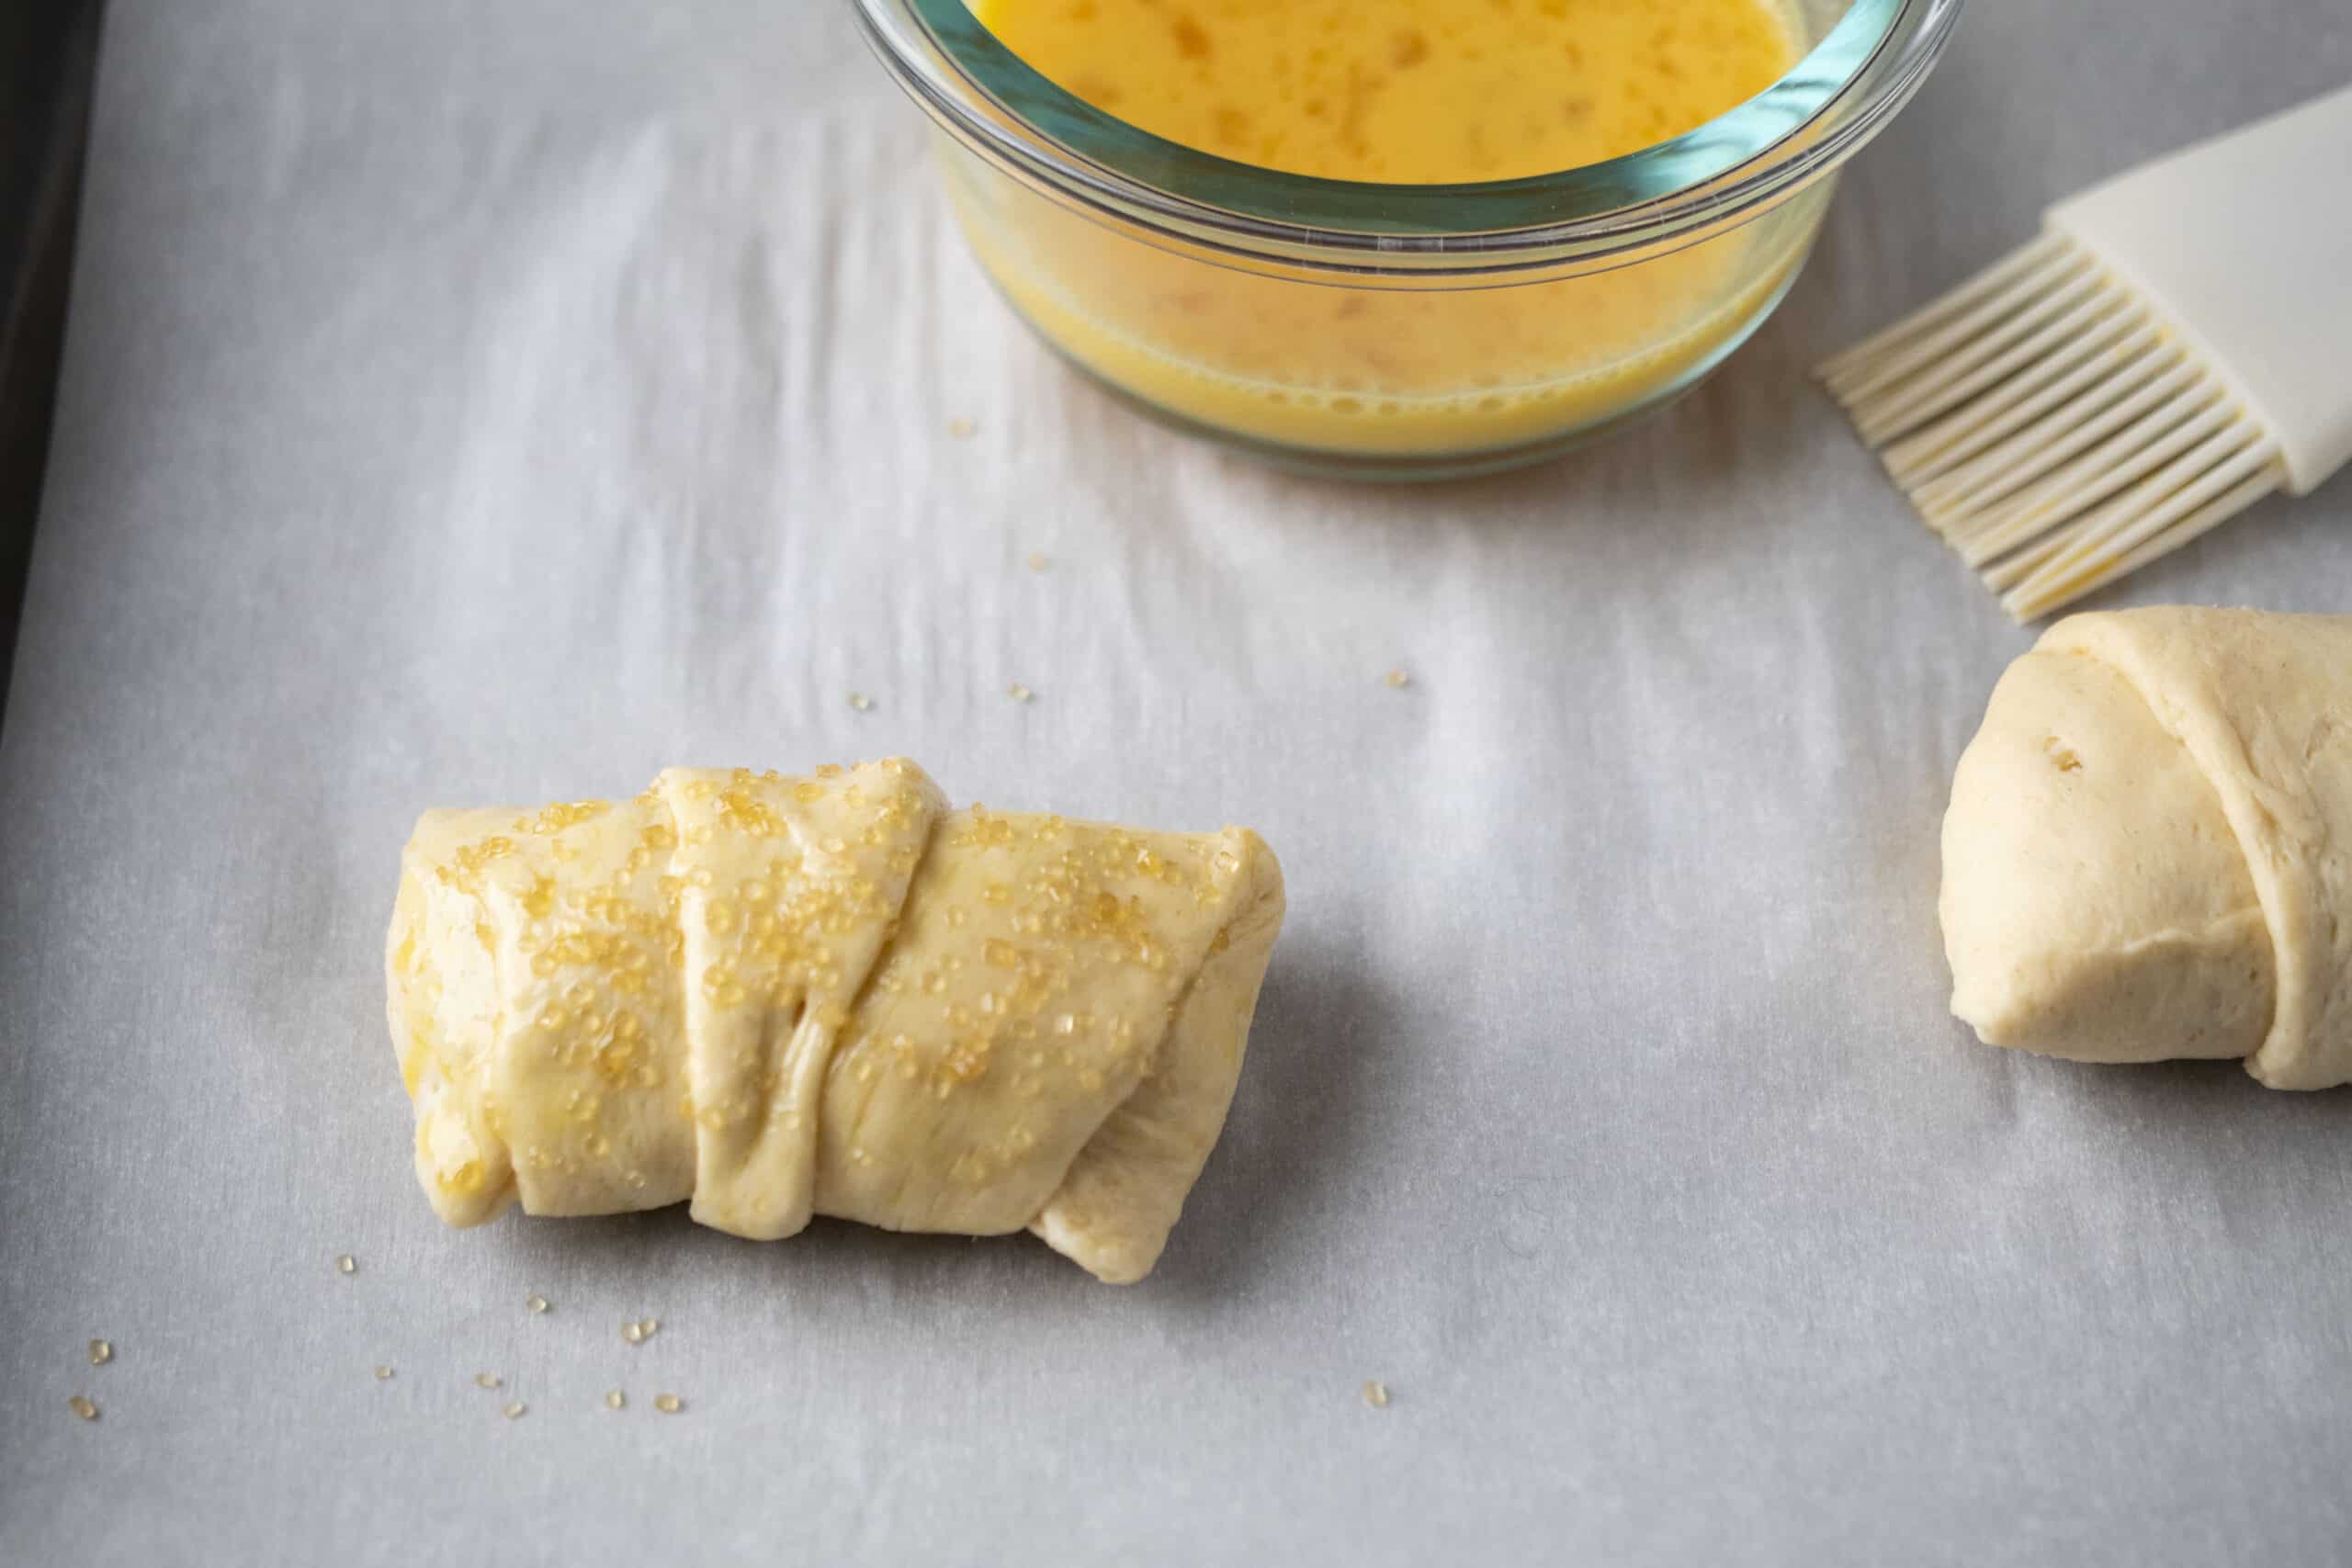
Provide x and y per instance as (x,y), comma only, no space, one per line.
(783,997)
(2149,849)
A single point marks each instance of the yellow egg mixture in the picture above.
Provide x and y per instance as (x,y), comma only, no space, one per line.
(1408,91)
(1394,92)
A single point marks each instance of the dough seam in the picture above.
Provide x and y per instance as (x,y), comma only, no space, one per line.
(2170,718)
(2259,811)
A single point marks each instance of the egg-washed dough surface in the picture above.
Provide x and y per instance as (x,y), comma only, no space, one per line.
(2149,849)
(779,997)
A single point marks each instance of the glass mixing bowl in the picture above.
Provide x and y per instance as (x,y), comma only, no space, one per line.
(1397,331)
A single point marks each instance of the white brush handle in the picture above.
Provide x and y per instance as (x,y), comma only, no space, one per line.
(2244,245)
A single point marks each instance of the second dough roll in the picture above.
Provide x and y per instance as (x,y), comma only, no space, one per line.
(779,996)
(2149,849)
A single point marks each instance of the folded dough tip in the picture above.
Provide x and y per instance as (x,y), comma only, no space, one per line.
(777,996)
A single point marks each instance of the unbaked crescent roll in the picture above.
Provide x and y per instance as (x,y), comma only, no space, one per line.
(783,997)
(2149,849)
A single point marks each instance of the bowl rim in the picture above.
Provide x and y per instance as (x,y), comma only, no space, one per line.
(1832,101)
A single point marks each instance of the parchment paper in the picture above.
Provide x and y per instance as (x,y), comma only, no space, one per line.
(479,402)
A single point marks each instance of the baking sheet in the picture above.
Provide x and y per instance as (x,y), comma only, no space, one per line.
(48,58)
(477,403)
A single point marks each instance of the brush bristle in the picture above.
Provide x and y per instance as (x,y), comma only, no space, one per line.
(2045,422)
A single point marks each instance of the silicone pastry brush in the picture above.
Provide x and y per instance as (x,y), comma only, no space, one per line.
(2176,346)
